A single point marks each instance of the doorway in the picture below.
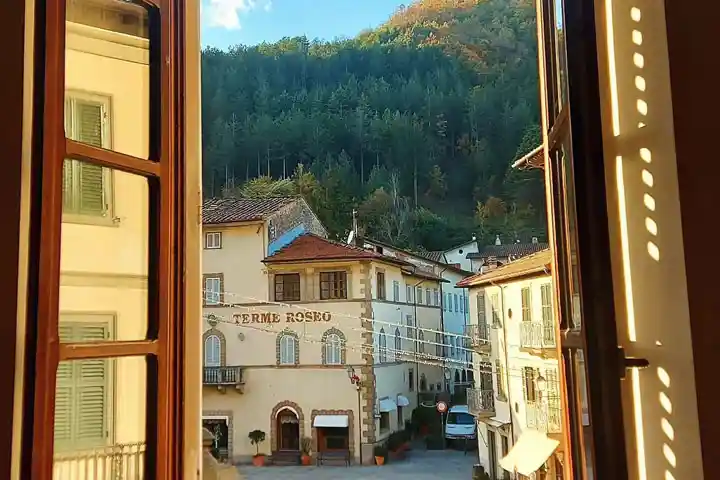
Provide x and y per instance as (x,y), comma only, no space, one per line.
(288,427)
(492,451)
(219,428)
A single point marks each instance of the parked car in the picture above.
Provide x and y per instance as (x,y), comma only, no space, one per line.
(460,425)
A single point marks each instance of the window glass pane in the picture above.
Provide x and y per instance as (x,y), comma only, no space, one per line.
(100,418)
(104,255)
(560,55)
(107,75)
(564,157)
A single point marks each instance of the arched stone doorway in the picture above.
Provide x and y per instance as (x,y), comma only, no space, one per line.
(287,427)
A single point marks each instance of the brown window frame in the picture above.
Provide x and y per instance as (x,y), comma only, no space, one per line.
(337,285)
(381,286)
(580,133)
(279,280)
(164,170)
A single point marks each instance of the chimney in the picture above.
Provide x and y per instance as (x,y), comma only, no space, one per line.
(497,240)
(490,264)
(534,240)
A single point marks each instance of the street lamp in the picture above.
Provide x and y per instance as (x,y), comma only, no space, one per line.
(541,383)
(355,380)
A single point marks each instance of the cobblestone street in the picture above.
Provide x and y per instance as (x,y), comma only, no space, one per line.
(420,465)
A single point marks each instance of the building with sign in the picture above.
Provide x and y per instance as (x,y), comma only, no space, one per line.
(512,331)
(329,314)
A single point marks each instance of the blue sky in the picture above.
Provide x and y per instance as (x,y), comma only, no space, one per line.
(230,22)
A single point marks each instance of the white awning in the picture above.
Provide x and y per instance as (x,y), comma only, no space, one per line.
(402,401)
(331,421)
(491,422)
(529,453)
(387,405)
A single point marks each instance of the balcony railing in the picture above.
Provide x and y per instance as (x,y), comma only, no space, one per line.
(478,337)
(223,376)
(543,417)
(537,335)
(125,461)
(481,403)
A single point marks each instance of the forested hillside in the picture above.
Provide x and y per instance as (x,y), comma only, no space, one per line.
(413,124)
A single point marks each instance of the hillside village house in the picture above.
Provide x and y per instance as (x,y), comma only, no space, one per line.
(517,398)
(284,365)
(239,233)
(454,309)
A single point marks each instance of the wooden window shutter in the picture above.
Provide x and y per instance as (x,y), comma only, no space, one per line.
(90,176)
(81,404)
(91,421)
(65,393)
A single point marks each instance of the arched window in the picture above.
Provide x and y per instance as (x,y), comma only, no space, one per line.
(212,351)
(421,341)
(333,349)
(383,346)
(288,349)
(398,344)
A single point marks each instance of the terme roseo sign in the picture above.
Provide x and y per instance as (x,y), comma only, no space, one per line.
(290,317)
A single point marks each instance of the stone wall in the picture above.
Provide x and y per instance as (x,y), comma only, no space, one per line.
(367,372)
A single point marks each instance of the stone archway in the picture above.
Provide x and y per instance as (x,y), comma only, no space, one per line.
(274,433)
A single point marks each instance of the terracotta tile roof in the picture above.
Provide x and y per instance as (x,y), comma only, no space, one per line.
(310,247)
(531,264)
(511,249)
(232,210)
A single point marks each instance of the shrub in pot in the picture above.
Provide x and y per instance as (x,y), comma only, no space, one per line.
(379,452)
(306,451)
(256,438)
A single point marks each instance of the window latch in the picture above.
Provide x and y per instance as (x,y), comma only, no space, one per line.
(628,363)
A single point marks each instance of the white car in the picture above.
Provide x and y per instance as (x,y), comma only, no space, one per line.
(459,424)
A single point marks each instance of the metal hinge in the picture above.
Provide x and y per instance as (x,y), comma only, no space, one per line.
(627,363)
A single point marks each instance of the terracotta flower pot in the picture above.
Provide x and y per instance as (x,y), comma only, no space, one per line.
(380,460)
(306,460)
(258,460)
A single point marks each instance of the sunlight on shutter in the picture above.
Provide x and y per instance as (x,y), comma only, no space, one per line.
(91,384)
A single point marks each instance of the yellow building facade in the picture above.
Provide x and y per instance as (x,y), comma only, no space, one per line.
(284,340)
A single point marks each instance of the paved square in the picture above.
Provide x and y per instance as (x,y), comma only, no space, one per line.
(420,465)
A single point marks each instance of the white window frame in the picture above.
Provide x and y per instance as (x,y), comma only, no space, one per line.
(382,346)
(398,344)
(408,293)
(288,346)
(213,351)
(333,349)
(436,297)
(213,240)
(212,295)
(72,98)
(396,291)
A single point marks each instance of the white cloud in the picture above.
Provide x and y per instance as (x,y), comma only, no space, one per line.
(268,5)
(226,13)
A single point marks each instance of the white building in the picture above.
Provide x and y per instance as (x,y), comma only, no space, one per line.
(455,308)
(516,361)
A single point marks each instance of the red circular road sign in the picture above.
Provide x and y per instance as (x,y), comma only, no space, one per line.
(441,407)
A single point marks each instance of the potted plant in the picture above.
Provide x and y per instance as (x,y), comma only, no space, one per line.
(256,438)
(379,452)
(306,449)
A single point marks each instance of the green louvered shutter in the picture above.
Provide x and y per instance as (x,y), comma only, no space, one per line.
(81,403)
(91,420)
(91,199)
(64,395)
